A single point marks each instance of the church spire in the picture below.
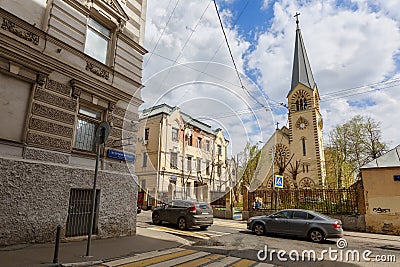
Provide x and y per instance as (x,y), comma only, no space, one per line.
(301,66)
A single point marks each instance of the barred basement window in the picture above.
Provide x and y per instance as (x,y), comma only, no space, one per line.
(88,120)
(79,211)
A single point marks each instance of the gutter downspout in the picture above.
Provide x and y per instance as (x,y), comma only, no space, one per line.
(158,159)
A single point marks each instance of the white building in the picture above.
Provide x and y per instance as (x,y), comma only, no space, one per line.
(179,157)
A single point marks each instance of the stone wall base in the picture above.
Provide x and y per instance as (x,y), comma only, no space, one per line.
(34,199)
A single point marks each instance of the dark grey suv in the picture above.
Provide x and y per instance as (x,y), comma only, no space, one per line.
(184,213)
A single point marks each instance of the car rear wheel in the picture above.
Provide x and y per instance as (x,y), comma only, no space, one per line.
(316,235)
(259,229)
(156,218)
(182,223)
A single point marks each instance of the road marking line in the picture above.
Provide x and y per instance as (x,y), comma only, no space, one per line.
(141,256)
(243,263)
(162,258)
(194,234)
(227,261)
(230,224)
(200,261)
(180,260)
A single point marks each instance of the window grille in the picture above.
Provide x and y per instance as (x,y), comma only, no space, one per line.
(88,120)
(79,211)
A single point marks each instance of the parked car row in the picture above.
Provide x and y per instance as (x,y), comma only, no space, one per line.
(315,226)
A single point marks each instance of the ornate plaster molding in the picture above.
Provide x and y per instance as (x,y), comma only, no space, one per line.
(19,31)
(97,70)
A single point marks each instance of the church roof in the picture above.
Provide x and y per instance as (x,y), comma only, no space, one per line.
(301,66)
(390,159)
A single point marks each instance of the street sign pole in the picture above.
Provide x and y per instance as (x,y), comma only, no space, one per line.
(100,137)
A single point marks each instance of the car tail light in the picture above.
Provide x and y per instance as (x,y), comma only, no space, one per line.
(336,225)
(193,209)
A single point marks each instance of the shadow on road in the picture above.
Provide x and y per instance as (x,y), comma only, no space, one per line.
(327,241)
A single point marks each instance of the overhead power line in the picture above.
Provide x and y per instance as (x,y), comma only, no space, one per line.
(233,60)
(163,30)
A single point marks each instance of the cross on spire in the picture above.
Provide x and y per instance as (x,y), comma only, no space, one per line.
(277,125)
(297,18)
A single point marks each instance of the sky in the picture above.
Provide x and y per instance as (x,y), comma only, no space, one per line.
(353,47)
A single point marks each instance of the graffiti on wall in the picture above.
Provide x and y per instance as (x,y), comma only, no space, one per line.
(380,210)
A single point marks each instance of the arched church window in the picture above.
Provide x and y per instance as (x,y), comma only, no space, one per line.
(300,100)
(303,142)
(304,104)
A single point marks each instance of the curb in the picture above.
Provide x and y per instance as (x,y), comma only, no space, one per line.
(81,264)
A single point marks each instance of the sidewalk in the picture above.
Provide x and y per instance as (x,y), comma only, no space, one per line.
(73,253)
(394,238)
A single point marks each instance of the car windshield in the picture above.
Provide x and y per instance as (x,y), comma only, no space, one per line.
(202,205)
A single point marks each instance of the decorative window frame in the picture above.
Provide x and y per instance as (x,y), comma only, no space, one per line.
(111,15)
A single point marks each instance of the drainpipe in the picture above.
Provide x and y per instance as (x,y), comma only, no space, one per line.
(158,159)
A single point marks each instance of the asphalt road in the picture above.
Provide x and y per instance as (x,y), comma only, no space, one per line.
(231,238)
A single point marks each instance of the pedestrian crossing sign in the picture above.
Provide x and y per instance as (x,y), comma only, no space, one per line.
(279,181)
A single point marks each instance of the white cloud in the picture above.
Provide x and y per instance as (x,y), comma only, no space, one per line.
(347,47)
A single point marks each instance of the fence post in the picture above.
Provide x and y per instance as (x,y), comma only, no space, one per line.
(57,244)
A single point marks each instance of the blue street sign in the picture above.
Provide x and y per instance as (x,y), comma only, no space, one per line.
(279,181)
(115,154)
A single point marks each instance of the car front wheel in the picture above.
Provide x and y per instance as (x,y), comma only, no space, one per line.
(316,235)
(259,229)
(182,223)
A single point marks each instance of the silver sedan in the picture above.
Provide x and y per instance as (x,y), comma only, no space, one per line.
(304,223)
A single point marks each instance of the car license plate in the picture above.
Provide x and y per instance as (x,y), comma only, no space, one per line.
(205,213)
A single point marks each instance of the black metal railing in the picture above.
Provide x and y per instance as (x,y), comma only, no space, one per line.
(328,201)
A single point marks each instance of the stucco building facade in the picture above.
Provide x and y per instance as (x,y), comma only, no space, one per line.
(65,66)
(179,157)
(381,181)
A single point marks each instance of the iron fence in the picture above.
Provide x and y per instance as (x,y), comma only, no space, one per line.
(328,201)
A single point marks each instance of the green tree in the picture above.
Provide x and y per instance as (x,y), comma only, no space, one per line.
(351,146)
(247,162)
